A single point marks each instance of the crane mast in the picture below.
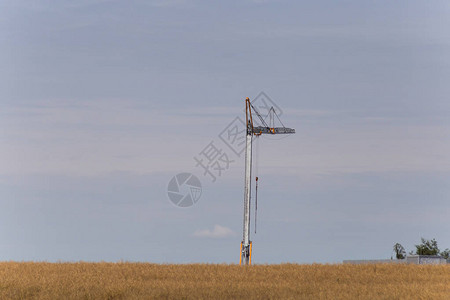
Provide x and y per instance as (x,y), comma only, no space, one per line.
(246,244)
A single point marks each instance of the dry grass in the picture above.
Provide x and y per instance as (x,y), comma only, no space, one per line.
(288,281)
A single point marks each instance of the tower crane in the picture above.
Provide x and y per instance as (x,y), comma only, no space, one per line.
(264,128)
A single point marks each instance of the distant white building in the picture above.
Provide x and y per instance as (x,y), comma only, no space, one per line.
(426,260)
(410,259)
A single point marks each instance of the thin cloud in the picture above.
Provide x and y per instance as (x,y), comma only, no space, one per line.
(167,3)
(219,232)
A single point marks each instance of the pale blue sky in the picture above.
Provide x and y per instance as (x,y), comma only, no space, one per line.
(102,102)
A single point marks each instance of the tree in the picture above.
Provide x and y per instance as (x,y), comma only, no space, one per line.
(427,247)
(445,254)
(399,251)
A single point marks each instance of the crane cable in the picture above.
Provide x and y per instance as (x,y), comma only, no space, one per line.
(256,202)
(256,164)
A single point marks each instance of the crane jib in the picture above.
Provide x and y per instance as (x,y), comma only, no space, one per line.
(276,130)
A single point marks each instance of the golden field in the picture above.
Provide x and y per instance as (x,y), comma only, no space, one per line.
(28,280)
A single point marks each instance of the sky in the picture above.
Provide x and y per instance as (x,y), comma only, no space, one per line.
(103,102)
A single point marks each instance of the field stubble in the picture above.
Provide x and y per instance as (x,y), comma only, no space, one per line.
(22,280)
